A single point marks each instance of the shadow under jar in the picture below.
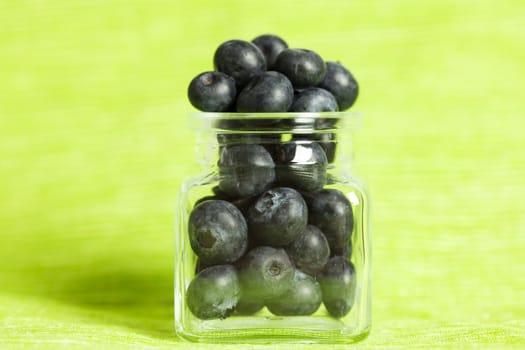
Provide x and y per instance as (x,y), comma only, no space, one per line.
(272,238)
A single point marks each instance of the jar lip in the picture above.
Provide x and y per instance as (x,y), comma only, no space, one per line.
(313,121)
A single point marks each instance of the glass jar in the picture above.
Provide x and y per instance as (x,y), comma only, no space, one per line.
(272,239)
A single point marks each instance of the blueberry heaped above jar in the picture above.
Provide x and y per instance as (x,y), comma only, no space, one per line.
(212,92)
(241,83)
(271,46)
(267,92)
(305,68)
(314,99)
(341,83)
(239,59)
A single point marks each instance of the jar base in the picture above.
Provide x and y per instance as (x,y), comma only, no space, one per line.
(271,336)
(273,329)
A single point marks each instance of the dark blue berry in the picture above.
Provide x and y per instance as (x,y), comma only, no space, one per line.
(304,68)
(278,217)
(331,212)
(314,100)
(212,92)
(218,232)
(302,298)
(310,251)
(214,292)
(300,165)
(338,283)
(271,46)
(268,92)
(264,273)
(239,59)
(245,170)
(341,83)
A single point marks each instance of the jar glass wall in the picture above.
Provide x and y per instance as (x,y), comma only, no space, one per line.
(272,239)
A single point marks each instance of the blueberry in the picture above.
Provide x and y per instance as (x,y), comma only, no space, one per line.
(239,59)
(268,92)
(302,298)
(264,273)
(245,170)
(314,100)
(278,217)
(338,283)
(214,292)
(303,67)
(271,46)
(341,83)
(212,92)
(310,251)
(331,212)
(218,232)
(300,165)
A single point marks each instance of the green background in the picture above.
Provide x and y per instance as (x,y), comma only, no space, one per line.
(94,144)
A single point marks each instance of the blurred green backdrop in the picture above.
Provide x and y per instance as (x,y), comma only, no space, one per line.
(94,144)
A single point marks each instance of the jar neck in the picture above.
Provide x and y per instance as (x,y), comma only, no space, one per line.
(332,131)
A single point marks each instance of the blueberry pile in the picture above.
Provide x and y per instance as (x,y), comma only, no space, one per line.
(282,249)
(265,75)
(271,234)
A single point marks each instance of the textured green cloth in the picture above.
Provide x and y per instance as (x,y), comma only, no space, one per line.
(94,144)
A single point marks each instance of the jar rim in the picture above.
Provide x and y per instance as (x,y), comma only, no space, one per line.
(313,121)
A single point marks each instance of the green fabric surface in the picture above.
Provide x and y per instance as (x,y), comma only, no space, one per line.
(94,144)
